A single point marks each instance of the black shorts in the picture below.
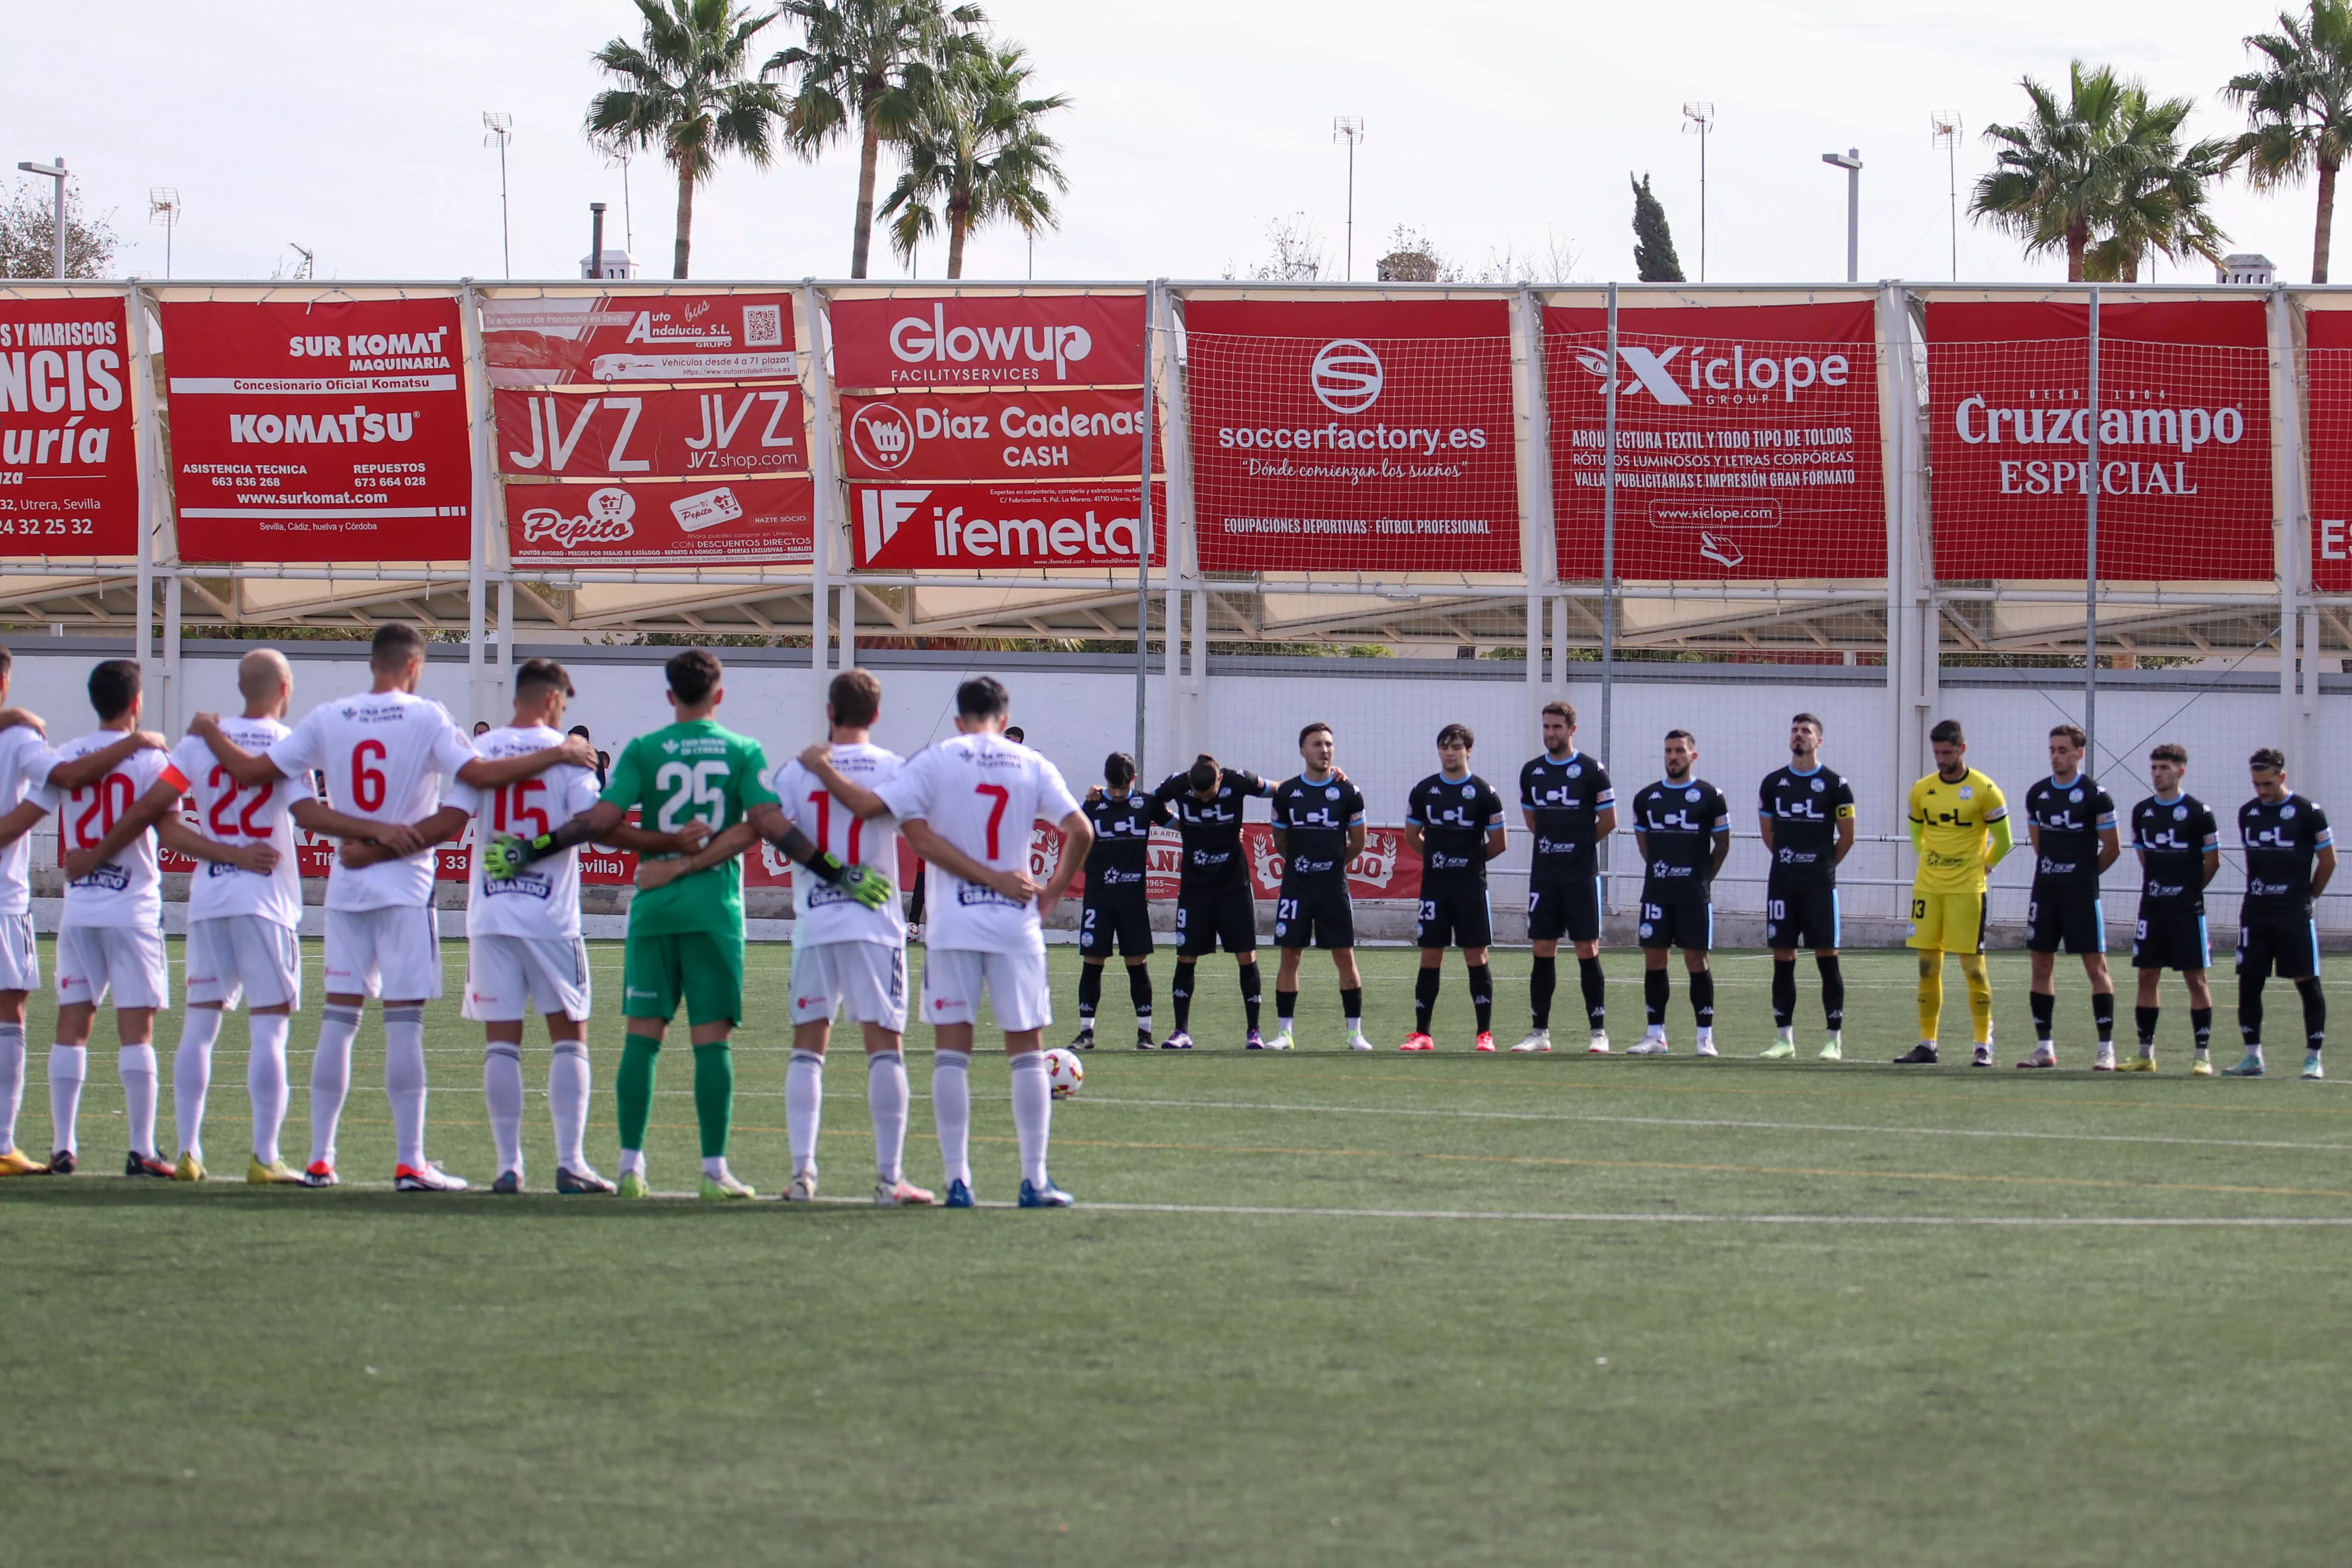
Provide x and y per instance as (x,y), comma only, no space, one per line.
(1126,922)
(1314,916)
(2283,946)
(2171,938)
(1688,926)
(1229,916)
(1800,917)
(2075,922)
(1563,906)
(1457,920)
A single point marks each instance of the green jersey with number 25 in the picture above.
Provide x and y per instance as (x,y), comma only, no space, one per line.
(687,772)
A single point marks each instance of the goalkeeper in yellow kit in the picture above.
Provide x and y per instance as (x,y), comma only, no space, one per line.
(1959,826)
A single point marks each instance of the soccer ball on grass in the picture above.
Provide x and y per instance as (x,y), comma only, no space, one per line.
(1064,1072)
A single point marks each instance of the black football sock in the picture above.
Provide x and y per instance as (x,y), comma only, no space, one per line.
(1596,991)
(1832,989)
(1351,1006)
(1250,992)
(1180,990)
(2046,1009)
(1139,990)
(1090,993)
(2250,1008)
(1784,993)
(1424,997)
(2315,1012)
(1654,995)
(1541,982)
(2144,1020)
(1702,990)
(1482,994)
(1285,1007)
(2201,1021)
(2102,1015)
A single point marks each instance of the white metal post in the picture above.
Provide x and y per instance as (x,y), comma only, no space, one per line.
(1180,558)
(478,388)
(1912,631)
(2298,619)
(154,490)
(1538,556)
(816,386)
(506,638)
(168,711)
(1143,525)
(848,626)
(2091,558)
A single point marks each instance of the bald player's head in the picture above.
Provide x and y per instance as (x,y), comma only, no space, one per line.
(266,681)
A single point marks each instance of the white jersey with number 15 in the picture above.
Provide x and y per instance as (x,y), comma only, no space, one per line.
(385,754)
(542,902)
(979,793)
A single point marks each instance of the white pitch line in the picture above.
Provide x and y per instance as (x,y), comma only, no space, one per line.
(1726,1123)
(1790,1219)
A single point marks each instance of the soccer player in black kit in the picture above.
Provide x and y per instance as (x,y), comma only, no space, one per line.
(2071,822)
(1453,821)
(1570,809)
(2179,849)
(1684,827)
(1115,912)
(2290,858)
(1212,889)
(1805,812)
(1318,828)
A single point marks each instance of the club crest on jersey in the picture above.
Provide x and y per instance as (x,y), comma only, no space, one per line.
(2286,813)
(1967,792)
(1819,786)
(1691,796)
(1331,792)
(1469,792)
(2179,813)
(2076,796)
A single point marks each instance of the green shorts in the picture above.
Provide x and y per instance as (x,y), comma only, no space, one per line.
(703,967)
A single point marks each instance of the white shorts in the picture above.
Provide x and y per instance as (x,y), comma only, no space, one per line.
(20,959)
(502,973)
(394,953)
(246,955)
(127,960)
(952,978)
(865,977)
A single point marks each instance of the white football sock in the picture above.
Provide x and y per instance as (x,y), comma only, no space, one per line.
(403,1082)
(951,1111)
(633,1161)
(135,1066)
(715,1167)
(567,1102)
(502,1092)
(67,1066)
(803,1106)
(265,1080)
(191,1076)
(886,1097)
(12,1082)
(330,1079)
(1033,1113)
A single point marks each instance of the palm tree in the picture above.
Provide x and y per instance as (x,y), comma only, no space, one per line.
(873,65)
(686,92)
(2157,206)
(975,156)
(2300,107)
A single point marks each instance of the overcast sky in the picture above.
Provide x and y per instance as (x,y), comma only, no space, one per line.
(356,131)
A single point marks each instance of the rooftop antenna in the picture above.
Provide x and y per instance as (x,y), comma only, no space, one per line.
(164,211)
(616,156)
(1349,127)
(309,269)
(1947,135)
(1700,118)
(501,132)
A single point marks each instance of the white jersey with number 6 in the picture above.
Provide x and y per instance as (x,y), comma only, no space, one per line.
(979,793)
(385,754)
(823,914)
(237,814)
(543,901)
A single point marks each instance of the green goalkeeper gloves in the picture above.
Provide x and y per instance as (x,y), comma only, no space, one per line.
(505,855)
(863,883)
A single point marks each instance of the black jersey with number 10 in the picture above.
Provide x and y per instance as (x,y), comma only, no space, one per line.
(1804,809)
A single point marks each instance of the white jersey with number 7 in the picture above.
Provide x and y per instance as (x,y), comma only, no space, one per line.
(385,754)
(979,793)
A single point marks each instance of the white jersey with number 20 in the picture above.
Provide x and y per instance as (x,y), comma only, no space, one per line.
(385,754)
(979,793)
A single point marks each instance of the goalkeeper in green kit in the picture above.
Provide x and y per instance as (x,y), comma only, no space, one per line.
(691,780)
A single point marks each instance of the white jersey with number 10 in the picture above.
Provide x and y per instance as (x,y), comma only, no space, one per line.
(238,815)
(979,793)
(820,914)
(385,754)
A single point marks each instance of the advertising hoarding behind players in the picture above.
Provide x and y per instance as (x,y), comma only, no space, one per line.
(68,459)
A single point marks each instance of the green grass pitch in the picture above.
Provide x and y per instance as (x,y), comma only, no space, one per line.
(1362,1309)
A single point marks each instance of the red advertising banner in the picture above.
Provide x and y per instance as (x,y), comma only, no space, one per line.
(1359,435)
(700,335)
(68,459)
(659,432)
(2329,453)
(948,340)
(1747,441)
(323,430)
(639,522)
(1081,434)
(2184,439)
(978,526)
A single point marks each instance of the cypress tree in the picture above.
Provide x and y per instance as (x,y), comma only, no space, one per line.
(1654,245)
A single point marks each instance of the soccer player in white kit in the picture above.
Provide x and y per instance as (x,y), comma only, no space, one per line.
(966,806)
(384,753)
(27,764)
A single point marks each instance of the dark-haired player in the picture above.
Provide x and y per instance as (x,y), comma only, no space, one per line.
(1570,808)
(1453,821)
(2180,847)
(1115,912)
(1959,831)
(2071,823)
(1806,816)
(2290,858)
(1318,828)
(1212,890)
(1684,827)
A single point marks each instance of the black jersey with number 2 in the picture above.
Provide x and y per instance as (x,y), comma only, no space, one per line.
(1681,822)
(1114,866)
(1455,815)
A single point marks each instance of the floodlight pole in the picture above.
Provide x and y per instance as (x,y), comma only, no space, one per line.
(1700,117)
(1851,161)
(501,132)
(1947,135)
(57,172)
(1349,127)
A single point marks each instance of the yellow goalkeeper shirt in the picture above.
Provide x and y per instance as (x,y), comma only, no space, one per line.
(1952,820)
